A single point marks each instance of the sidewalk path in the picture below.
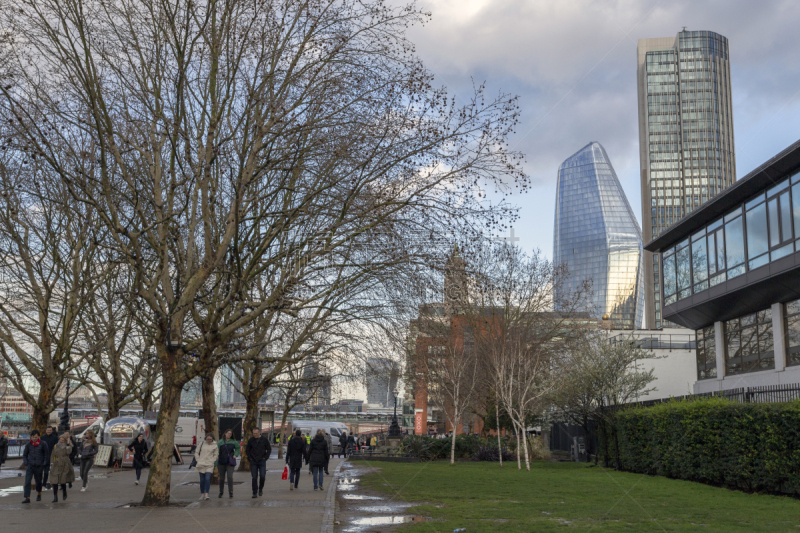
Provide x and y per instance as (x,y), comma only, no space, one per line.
(106,506)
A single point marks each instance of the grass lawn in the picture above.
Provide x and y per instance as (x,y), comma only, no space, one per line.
(482,497)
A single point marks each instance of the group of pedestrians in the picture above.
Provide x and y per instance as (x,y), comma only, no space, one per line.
(316,453)
(48,462)
(352,443)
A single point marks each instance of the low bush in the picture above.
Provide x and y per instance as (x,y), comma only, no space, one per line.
(430,448)
(488,453)
(754,447)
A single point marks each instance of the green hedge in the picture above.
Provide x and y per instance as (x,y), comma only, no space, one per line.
(753,447)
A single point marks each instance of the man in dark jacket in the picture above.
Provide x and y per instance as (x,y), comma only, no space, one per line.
(318,457)
(51,438)
(3,449)
(35,455)
(343,444)
(258,451)
(295,451)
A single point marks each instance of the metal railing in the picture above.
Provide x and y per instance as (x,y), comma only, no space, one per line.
(761,394)
(658,341)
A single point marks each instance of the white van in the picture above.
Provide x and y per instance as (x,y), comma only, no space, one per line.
(189,432)
(96,427)
(310,427)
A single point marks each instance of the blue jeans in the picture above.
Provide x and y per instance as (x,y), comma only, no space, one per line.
(33,473)
(256,468)
(294,476)
(318,471)
(205,482)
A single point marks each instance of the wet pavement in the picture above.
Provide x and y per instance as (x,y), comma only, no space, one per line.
(361,511)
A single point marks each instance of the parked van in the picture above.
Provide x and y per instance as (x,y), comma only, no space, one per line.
(96,427)
(189,431)
(310,427)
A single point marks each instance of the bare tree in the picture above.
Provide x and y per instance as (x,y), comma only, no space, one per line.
(231,135)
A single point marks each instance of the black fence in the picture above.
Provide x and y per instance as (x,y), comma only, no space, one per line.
(658,341)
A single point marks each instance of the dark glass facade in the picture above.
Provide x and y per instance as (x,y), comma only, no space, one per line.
(597,237)
(706,353)
(749,343)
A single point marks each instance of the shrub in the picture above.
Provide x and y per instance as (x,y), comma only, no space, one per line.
(747,446)
(488,453)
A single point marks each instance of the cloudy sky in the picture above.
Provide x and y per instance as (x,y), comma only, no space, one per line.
(573,64)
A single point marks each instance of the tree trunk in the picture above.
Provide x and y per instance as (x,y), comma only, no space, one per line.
(453,444)
(499,446)
(284,438)
(113,410)
(40,418)
(210,414)
(158,482)
(524,434)
(516,434)
(248,424)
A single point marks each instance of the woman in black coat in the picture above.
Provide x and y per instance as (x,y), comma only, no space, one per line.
(295,451)
(318,455)
(139,449)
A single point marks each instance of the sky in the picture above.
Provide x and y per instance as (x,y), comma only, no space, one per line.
(573,66)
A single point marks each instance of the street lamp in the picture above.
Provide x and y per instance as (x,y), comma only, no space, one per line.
(64,426)
(394,429)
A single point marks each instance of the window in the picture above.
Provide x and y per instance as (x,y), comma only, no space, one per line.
(700,262)
(757,242)
(748,343)
(706,353)
(793,333)
(670,286)
(683,270)
(734,246)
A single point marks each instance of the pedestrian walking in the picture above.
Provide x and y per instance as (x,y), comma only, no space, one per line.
(139,449)
(329,442)
(61,471)
(351,445)
(88,451)
(295,453)
(51,438)
(3,449)
(343,444)
(34,457)
(206,456)
(317,457)
(373,443)
(229,450)
(258,451)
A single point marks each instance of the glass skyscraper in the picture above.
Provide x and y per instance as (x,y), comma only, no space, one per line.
(597,237)
(686,149)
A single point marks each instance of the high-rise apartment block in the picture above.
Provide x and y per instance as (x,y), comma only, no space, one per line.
(686,149)
(597,238)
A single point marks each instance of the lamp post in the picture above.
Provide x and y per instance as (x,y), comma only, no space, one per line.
(394,429)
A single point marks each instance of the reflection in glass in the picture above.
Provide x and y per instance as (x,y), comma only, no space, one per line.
(757,231)
(734,243)
(774,234)
(670,286)
(749,343)
(699,260)
(796,207)
(793,333)
(706,353)
(683,270)
(786,217)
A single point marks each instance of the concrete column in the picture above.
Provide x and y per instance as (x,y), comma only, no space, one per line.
(719,345)
(779,336)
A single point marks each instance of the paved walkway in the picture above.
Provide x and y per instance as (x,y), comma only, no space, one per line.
(106,506)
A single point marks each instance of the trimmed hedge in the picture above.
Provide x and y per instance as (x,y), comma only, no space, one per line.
(754,447)
(428,448)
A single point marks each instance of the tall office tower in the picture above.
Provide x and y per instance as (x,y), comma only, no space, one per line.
(685,135)
(381,377)
(230,386)
(597,237)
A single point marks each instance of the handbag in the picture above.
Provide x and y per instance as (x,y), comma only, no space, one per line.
(285,474)
(194,459)
(232,460)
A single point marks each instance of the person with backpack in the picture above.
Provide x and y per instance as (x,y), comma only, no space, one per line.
(258,451)
(229,450)
(317,457)
(139,449)
(295,452)
(35,456)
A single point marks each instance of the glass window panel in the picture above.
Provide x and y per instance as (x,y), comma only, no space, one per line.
(758,262)
(715,225)
(720,250)
(700,260)
(786,217)
(670,286)
(734,243)
(781,252)
(754,202)
(796,178)
(796,208)
(738,271)
(698,235)
(793,333)
(683,269)
(777,188)
(733,214)
(774,228)
(756,220)
(716,280)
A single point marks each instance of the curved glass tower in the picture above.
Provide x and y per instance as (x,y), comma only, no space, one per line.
(597,237)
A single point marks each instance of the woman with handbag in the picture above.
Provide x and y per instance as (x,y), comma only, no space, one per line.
(139,449)
(61,471)
(295,452)
(206,456)
(228,452)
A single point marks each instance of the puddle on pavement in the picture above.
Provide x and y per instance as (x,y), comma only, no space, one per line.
(7,474)
(358,525)
(197,483)
(360,497)
(98,476)
(11,491)
(393,508)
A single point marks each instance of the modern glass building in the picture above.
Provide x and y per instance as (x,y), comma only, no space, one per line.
(686,147)
(730,270)
(597,237)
